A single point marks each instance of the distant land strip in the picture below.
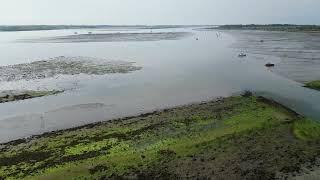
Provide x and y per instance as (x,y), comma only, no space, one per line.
(59,27)
(272,27)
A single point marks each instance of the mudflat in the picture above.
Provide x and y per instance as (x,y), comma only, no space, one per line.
(237,137)
(112,37)
(64,66)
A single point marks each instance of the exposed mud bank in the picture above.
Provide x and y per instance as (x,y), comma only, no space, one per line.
(14,95)
(64,66)
(112,37)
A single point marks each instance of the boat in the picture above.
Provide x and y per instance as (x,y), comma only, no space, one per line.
(242,55)
(270,65)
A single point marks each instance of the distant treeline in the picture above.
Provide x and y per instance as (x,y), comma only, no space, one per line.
(273,27)
(58,27)
(46,27)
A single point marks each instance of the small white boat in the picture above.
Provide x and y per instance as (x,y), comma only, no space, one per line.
(242,55)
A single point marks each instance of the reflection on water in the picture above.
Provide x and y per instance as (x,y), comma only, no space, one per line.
(174,72)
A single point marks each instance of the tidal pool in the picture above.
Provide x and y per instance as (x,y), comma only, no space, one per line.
(174,72)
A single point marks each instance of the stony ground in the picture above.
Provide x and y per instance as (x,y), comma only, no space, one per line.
(243,137)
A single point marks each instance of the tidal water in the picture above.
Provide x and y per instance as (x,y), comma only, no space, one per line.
(297,54)
(175,71)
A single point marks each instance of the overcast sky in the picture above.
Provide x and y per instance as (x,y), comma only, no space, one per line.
(131,12)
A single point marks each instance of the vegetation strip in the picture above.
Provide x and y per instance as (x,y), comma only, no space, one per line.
(235,138)
(313,85)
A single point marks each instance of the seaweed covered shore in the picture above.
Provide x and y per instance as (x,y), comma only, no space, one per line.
(241,137)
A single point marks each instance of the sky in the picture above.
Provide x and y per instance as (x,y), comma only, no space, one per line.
(164,12)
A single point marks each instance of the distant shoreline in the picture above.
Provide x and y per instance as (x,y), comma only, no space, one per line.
(272,27)
(13,28)
(267,27)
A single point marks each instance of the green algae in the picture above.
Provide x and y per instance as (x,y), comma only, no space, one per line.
(313,85)
(307,129)
(213,139)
